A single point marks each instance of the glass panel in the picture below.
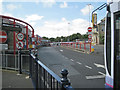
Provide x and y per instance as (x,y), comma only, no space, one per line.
(108,42)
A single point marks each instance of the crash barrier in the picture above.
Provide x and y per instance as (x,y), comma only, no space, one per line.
(79,46)
(43,77)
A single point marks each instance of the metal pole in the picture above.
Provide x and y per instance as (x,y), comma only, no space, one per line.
(89,13)
(20,69)
(27,37)
(36,72)
(68,31)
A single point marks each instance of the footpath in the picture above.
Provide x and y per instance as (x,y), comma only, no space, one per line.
(12,80)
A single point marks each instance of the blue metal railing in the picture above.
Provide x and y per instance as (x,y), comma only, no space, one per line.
(43,77)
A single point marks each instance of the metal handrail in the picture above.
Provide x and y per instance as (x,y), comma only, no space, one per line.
(63,82)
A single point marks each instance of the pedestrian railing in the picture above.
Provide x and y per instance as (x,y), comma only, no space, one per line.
(43,77)
(12,62)
(80,46)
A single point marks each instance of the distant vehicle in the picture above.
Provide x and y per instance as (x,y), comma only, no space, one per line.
(112,45)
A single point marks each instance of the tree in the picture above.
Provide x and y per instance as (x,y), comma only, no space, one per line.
(46,38)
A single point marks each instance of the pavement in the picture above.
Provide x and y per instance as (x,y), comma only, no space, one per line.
(13,80)
(85,70)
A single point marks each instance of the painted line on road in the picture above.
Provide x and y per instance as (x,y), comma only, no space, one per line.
(101,73)
(88,67)
(95,77)
(61,50)
(72,60)
(99,65)
(79,63)
(78,51)
(66,58)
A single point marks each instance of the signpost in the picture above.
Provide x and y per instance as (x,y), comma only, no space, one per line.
(89,29)
(3,37)
(89,34)
(20,36)
(19,45)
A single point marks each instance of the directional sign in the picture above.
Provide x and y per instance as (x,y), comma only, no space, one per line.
(3,37)
(20,36)
(19,45)
(89,29)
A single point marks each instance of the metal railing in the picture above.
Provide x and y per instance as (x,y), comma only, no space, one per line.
(12,62)
(86,47)
(44,78)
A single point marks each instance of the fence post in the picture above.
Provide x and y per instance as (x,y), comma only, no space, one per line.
(64,80)
(90,46)
(20,69)
(84,46)
(30,64)
(36,71)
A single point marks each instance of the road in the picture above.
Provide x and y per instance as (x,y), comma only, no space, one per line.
(85,70)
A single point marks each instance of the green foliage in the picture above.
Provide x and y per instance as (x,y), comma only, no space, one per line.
(101,39)
(72,37)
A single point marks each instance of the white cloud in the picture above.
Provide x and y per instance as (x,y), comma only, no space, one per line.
(11,7)
(0,6)
(64,19)
(7,14)
(62,28)
(64,5)
(48,3)
(86,9)
(33,17)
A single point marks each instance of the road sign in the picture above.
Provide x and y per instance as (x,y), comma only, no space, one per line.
(20,36)
(19,45)
(89,40)
(3,36)
(90,36)
(89,29)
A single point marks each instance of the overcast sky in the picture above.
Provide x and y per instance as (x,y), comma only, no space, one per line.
(50,18)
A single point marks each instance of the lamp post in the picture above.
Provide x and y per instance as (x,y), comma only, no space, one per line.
(89,13)
(68,31)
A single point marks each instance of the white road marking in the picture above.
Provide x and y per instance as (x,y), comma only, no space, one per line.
(71,60)
(27,77)
(79,63)
(66,58)
(88,67)
(61,50)
(101,73)
(78,51)
(99,65)
(95,77)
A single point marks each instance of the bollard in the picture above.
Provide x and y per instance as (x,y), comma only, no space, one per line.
(64,80)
